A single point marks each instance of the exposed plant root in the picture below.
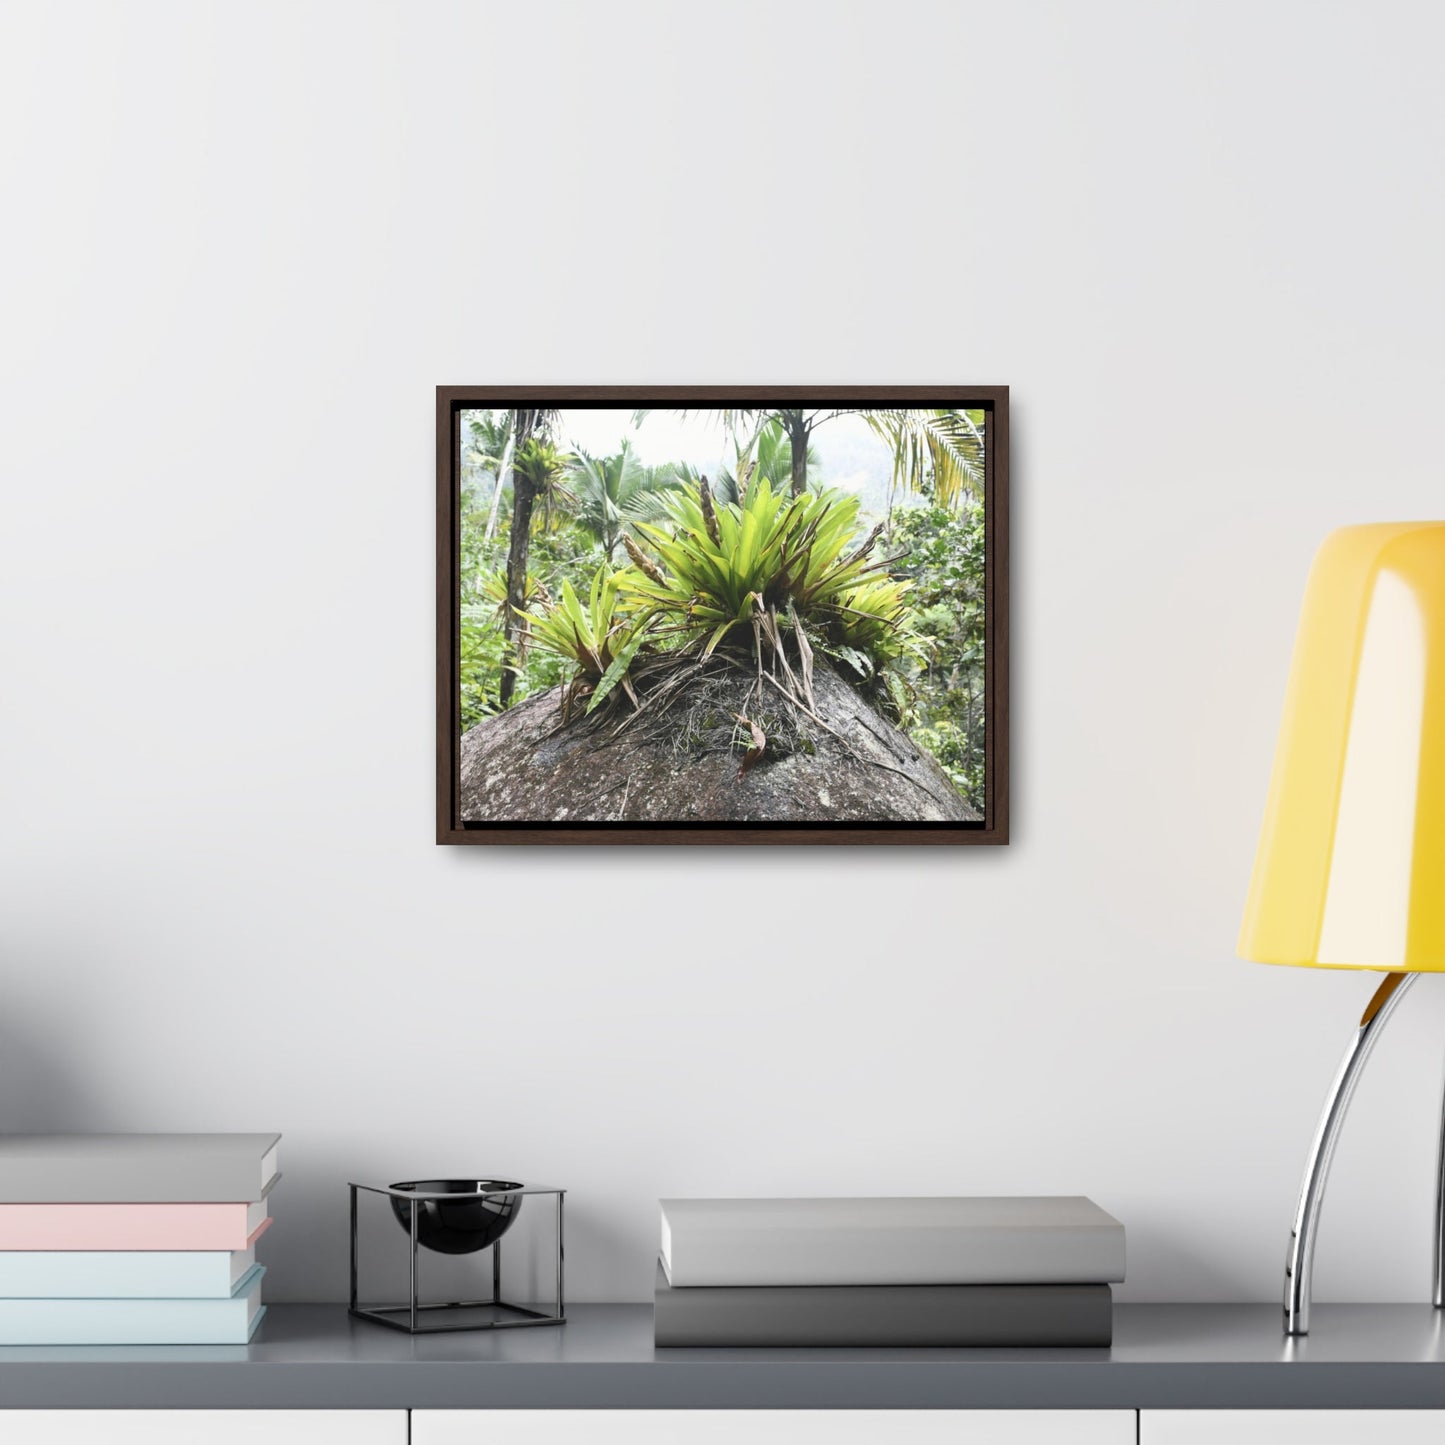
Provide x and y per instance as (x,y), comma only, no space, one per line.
(712,707)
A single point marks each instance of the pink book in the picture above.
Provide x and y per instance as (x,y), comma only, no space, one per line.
(132,1226)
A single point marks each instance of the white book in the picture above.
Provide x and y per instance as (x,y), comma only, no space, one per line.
(1003,1240)
(123,1274)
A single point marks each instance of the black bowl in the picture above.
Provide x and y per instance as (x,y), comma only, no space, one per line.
(462,1225)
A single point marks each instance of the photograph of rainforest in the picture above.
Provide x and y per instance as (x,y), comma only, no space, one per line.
(744,616)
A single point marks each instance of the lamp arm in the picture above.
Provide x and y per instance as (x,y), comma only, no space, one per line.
(1299,1263)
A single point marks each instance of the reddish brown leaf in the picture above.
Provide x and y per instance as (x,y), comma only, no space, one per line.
(760,745)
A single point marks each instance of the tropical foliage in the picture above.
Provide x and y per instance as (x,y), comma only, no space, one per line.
(612,572)
(766,453)
(943,705)
(612,494)
(770,559)
(537,472)
(938,451)
(599,639)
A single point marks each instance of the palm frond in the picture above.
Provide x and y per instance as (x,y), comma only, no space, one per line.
(612,493)
(939,451)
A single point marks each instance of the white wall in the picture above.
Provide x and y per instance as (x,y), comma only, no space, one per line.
(243,242)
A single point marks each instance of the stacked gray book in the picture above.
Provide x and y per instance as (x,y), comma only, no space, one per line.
(892,1272)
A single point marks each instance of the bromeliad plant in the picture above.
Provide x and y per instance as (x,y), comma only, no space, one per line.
(746,576)
(601,639)
(872,625)
(791,558)
(493,586)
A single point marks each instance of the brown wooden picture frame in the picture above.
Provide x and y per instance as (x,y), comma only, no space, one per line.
(451,401)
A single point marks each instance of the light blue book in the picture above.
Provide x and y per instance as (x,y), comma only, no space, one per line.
(230,1321)
(123,1274)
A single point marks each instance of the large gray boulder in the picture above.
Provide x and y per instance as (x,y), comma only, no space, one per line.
(845,764)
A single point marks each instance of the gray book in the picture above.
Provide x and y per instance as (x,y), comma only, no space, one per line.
(887,1315)
(1050,1240)
(137,1168)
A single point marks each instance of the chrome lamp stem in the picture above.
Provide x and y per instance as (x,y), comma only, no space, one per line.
(1299,1264)
(1439,1296)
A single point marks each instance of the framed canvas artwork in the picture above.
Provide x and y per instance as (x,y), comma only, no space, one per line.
(722,615)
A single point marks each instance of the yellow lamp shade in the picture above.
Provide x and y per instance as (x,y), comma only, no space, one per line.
(1350,871)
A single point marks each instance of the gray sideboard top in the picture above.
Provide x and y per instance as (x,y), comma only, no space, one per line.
(1164,1356)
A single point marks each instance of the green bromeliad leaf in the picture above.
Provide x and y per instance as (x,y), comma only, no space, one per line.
(795,562)
(617,669)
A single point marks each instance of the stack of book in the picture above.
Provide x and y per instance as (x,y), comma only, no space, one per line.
(132,1239)
(870,1272)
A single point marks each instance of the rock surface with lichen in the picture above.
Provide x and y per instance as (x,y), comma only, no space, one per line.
(845,763)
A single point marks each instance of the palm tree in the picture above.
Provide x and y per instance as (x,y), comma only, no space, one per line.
(767,453)
(489,454)
(938,449)
(610,492)
(537,467)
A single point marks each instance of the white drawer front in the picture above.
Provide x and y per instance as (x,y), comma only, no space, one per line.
(1291,1427)
(773,1427)
(202,1427)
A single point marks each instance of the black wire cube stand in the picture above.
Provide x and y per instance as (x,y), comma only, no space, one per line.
(416,1318)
